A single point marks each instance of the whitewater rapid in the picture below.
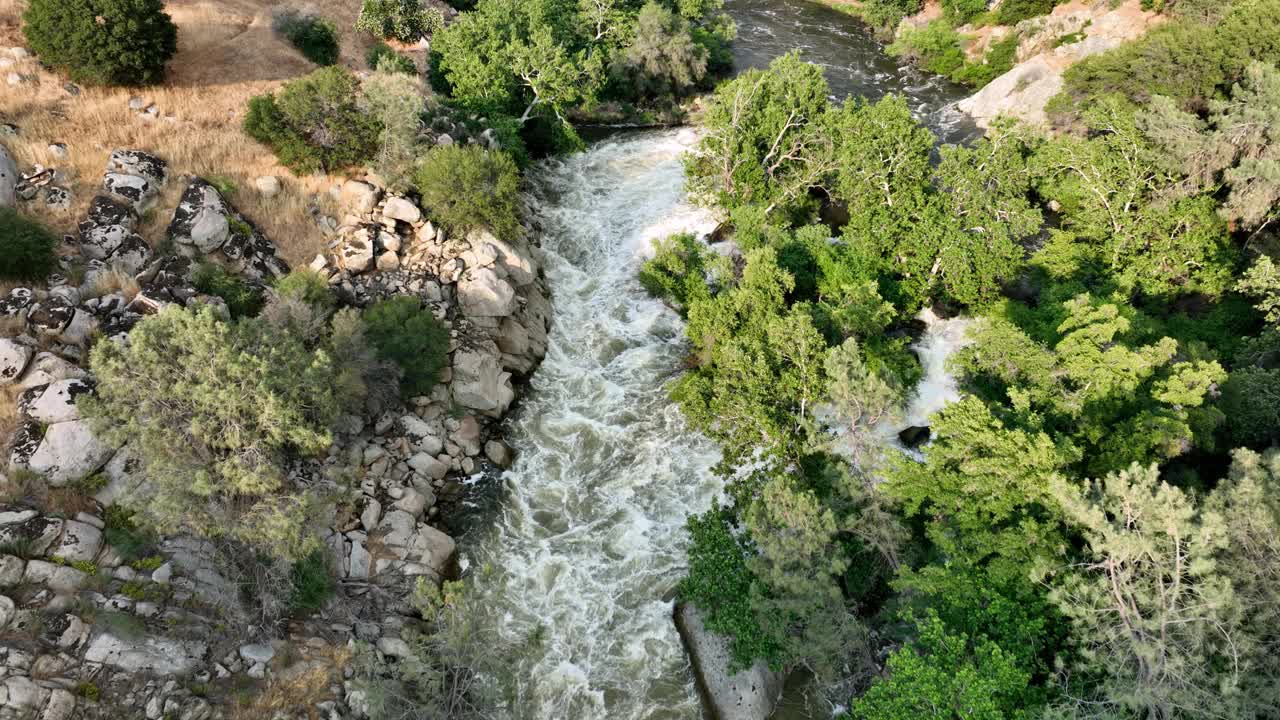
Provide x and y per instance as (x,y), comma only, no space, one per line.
(590,540)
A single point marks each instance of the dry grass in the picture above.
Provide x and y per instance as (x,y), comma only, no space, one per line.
(296,691)
(227,54)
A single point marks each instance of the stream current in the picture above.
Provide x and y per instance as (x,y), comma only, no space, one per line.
(588,541)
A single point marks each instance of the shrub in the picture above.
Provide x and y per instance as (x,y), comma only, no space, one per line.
(26,248)
(403,20)
(102,42)
(308,286)
(315,37)
(240,399)
(1012,12)
(406,333)
(243,300)
(396,101)
(884,15)
(663,59)
(383,59)
(998,61)
(312,583)
(962,11)
(468,187)
(677,272)
(315,123)
(935,47)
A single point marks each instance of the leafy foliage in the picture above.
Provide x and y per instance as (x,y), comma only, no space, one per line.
(406,333)
(26,248)
(102,42)
(380,53)
(403,20)
(315,123)
(467,188)
(313,36)
(243,299)
(240,400)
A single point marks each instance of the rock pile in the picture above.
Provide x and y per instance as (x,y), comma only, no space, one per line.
(97,623)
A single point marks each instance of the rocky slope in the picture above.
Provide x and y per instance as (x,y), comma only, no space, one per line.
(91,635)
(1047,46)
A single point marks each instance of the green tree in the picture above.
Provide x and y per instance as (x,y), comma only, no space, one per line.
(239,401)
(315,123)
(1109,186)
(468,188)
(678,271)
(1153,616)
(396,100)
(662,59)
(765,140)
(1238,146)
(859,395)
(1248,498)
(102,42)
(1262,282)
(408,334)
(26,248)
(403,20)
(943,674)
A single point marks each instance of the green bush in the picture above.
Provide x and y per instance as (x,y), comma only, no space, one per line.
(315,123)
(308,286)
(884,15)
(677,272)
(403,20)
(26,248)
(1012,12)
(240,401)
(312,583)
(102,42)
(469,187)
(998,61)
(243,300)
(962,11)
(315,37)
(382,58)
(407,334)
(934,47)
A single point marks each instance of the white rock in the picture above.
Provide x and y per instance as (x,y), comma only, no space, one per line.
(48,368)
(69,452)
(59,578)
(479,383)
(483,294)
(257,653)
(80,542)
(422,436)
(7,611)
(372,513)
(14,359)
(395,647)
(413,502)
(8,178)
(163,574)
(11,570)
(58,402)
(428,466)
(398,208)
(357,255)
(359,196)
(388,260)
(61,705)
(361,564)
(268,185)
(160,655)
(498,453)
(22,693)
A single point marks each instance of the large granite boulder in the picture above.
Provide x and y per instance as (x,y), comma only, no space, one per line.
(68,452)
(750,694)
(201,219)
(14,359)
(160,655)
(480,383)
(8,178)
(483,294)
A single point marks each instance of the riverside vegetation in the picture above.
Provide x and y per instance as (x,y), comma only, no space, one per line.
(1092,531)
(1090,534)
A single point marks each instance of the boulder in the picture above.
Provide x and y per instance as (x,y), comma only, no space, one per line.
(59,578)
(433,551)
(483,294)
(428,466)
(106,211)
(138,163)
(80,541)
(268,185)
(750,694)
(201,219)
(22,694)
(8,178)
(480,383)
(515,261)
(56,402)
(7,611)
(498,453)
(357,255)
(48,368)
(257,653)
(359,196)
(397,208)
(68,452)
(160,655)
(37,533)
(423,437)
(14,359)
(136,191)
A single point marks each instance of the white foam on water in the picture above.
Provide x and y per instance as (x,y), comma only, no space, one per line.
(590,540)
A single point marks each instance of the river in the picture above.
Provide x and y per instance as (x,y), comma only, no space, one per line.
(588,540)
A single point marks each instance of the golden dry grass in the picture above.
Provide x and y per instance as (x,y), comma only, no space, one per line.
(227,54)
(295,692)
